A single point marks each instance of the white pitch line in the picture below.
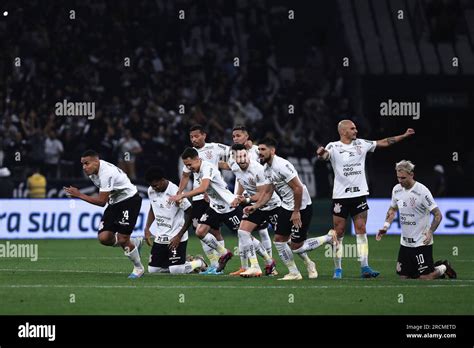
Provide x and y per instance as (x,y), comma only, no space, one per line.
(223,286)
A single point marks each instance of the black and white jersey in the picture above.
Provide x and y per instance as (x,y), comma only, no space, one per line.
(111,178)
(253,177)
(348,163)
(212,153)
(414,207)
(280,173)
(169,217)
(220,197)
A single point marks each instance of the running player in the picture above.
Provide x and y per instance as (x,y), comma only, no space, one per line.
(212,153)
(168,252)
(250,177)
(347,158)
(415,203)
(219,211)
(295,212)
(123,208)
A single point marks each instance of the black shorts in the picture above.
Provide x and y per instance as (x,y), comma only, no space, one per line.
(162,256)
(199,208)
(263,217)
(413,262)
(121,217)
(215,220)
(344,207)
(285,227)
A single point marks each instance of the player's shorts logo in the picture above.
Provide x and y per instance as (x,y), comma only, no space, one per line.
(337,208)
(399,266)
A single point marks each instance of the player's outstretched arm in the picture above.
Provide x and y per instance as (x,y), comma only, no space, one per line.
(388,221)
(197,191)
(174,242)
(392,140)
(437,217)
(264,197)
(149,221)
(322,153)
(101,200)
(183,182)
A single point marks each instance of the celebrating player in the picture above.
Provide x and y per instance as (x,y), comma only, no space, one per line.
(212,153)
(415,203)
(121,214)
(250,177)
(220,211)
(347,158)
(295,212)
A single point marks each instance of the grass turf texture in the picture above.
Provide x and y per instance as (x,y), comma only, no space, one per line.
(97,276)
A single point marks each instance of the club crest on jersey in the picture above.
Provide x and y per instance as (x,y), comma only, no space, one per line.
(208,154)
(358,149)
(252,181)
(412,201)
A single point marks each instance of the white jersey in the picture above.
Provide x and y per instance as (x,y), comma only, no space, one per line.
(253,177)
(112,179)
(348,163)
(212,153)
(280,173)
(254,156)
(220,197)
(414,207)
(169,217)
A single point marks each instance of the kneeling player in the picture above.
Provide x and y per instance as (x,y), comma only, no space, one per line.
(414,202)
(168,253)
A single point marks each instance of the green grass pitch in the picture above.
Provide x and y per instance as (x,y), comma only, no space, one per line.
(84,277)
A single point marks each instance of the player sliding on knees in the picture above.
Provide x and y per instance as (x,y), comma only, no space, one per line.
(294,215)
(123,208)
(168,252)
(250,177)
(220,211)
(414,202)
(347,158)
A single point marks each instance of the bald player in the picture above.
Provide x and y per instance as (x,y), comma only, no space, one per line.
(350,190)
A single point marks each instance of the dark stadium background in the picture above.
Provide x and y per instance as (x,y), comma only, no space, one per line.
(282,62)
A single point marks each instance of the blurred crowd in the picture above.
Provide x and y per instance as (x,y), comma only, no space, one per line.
(152,75)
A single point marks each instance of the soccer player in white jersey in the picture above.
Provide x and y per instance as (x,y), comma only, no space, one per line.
(294,216)
(347,158)
(220,198)
(240,135)
(251,178)
(123,208)
(168,252)
(415,203)
(212,153)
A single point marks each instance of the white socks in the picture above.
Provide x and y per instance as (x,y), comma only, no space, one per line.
(247,248)
(211,254)
(313,243)
(286,256)
(338,253)
(134,256)
(212,242)
(363,249)
(441,269)
(266,241)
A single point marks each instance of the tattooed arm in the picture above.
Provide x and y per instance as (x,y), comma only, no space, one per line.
(434,225)
(392,140)
(388,221)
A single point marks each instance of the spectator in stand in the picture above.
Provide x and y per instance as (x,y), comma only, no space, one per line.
(129,148)
(6,183)
(53,149)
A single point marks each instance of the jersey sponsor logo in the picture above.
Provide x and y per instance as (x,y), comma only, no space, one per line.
(337,208)
(352,189)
